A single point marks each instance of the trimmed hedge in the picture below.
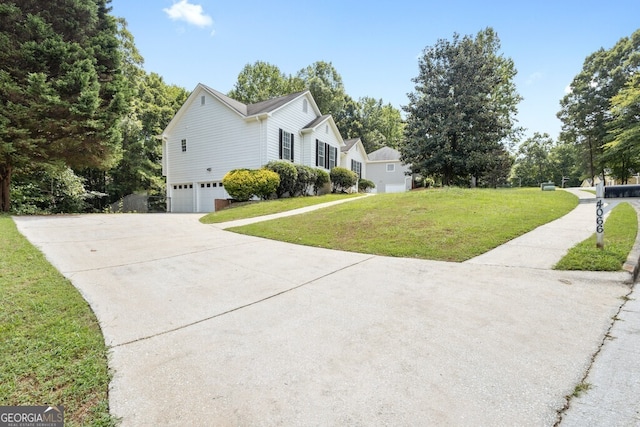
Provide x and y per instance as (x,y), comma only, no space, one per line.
(364,185)
(243,184)
(288,176)
(342,179)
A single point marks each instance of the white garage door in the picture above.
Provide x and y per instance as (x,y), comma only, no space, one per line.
(207,193)
(394,188)
(182,198)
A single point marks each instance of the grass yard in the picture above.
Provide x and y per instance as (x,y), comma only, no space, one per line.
(254,209)
(51,348)
(445,224)
(620,231)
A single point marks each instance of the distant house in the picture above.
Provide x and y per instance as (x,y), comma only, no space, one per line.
(387,172)
(212,134)
(354,157)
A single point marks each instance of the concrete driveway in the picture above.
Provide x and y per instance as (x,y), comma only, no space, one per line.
(207,327)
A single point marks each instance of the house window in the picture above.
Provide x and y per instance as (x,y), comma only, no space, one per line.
(326,155)
(357,168)
(201,185)
(183,143)
(202,99)
(286,145)
(305,106)
(332,157)
(391,167)
(326,128)
(320,154)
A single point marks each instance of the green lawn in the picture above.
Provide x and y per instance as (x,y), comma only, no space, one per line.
(445,224)
(620,232)
(254,209)
(51,347)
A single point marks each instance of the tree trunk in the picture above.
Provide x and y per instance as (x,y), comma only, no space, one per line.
(5,181)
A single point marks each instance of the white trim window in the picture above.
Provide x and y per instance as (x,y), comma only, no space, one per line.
(183,145)
(356,167)
(332,157)
(320,153)
(286,145)
(391,167)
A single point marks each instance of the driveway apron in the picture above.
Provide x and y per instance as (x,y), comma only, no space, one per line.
(209,327)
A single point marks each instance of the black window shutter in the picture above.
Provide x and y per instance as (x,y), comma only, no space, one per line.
(317,153)
(326,156)
(280,143)
(292,148)
(352,164)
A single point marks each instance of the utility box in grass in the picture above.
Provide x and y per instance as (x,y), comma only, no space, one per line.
(548,186)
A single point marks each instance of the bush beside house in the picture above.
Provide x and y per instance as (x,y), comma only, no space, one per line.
(342,179)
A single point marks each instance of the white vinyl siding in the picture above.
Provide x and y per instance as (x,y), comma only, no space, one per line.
(218,139)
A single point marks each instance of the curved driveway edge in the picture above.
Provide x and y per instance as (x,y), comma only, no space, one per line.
(208,327)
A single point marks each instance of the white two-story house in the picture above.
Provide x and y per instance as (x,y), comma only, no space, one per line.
(212,134)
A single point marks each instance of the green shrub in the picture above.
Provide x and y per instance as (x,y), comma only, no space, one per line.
(240,184)
(48,190)
(266,183)
(365,184)
(342,179)
(306,180)
(288,176)
(322,178)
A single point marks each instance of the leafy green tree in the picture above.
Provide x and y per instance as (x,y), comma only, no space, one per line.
(61,90)
(462,110)
(152,108)
(565,165)
(587,119)
(622,152)
(261,81)
(325,84)
(533,165)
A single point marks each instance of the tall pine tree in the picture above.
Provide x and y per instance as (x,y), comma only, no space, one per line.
(61,91)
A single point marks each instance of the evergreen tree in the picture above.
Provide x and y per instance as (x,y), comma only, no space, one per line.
(462,110)
(61,90)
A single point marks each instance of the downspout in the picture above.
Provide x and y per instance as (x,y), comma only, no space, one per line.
(261,154)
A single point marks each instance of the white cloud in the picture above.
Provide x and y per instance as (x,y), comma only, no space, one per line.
(190,13)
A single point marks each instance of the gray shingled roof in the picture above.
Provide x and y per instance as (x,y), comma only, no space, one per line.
(257,108)
(384,153)
(349,143)
(271,104)
(317,121)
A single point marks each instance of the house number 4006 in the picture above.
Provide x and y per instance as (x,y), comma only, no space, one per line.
(599,220)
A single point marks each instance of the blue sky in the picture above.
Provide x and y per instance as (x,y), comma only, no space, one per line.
(375,46)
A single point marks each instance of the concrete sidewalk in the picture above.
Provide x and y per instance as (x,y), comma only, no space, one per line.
(208,327)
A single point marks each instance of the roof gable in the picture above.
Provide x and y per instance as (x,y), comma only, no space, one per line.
(385,154)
